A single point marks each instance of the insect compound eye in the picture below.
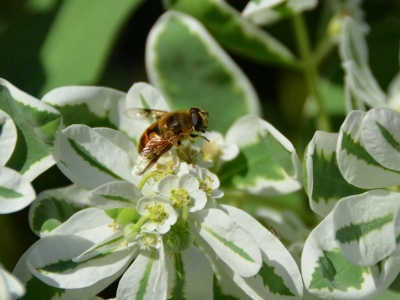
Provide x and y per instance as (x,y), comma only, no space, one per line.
(198,120)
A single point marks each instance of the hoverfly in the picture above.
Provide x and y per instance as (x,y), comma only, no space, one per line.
(169,129)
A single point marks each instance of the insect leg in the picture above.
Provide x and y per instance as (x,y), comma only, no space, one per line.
(198,135)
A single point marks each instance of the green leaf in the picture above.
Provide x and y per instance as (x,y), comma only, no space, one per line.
(235,32)
(190,69)
(267,163)
(92,32)
(36,289)
(37,124)
(334,272)
(274,282)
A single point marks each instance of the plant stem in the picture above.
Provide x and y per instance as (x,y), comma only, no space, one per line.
(310,71)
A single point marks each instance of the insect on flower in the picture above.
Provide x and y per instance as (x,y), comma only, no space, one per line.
(169,129)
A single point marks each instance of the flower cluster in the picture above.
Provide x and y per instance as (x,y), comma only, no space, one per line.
(160,230)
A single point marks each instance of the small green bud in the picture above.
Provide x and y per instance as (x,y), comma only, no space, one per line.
(123,216)
(177,239)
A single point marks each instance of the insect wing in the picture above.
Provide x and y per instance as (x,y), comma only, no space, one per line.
(154,149)
(145,114)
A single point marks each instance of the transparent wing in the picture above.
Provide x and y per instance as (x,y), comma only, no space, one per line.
(154,149)
(145,113)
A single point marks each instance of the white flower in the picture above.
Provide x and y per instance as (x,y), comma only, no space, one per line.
(161,215)
(183,192)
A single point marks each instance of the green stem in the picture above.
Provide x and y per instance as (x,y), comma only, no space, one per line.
(310,70)
(184,217)
(144,179)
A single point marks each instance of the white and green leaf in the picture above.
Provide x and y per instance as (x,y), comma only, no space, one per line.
(328,274)
(325,184)
(229,241)
(89,159)
(52,262)
(279,276)
(16,192)
(356,165)
(10,287)
(205,74)
(354,55)
(394,93)
(51,208)
(235,32)
(116,194)
(264,12)
(365,226)
(36,287)
(91,106)
(381,136)
(184,270)
(37,125)
(267,163)
(8,137)
(146,278)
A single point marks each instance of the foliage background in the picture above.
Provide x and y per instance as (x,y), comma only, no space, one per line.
(45,44)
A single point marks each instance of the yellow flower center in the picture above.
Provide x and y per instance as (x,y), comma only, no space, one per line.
(180,198)
(157,214)
(205,185)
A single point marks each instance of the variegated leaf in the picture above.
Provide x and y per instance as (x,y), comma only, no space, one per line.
(184,270)
(146,278)
(279,276)
(325,183)
(53,207)
(36,287)
(92,106)
(115,194)
(354,55)
(15,191)
(231,243)
(263,12)
(235,32)
(89,159)
(204,75)
(328,274)
(8,137)
(380,133)
(37,124)
(357,166)
(267,163)
(51,261)
(365,226)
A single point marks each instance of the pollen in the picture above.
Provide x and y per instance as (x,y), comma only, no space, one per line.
(148,240)
(180,198)
(211,150)
(157,213)
(163,170)
(206,185)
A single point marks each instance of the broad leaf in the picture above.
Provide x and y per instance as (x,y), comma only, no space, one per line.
(235,32)
(190,69)
(365,226)
(231,243)
(279,276)
(37,124)
(381,136)
(8,137)
(15,191)
(359,78)
(325,183)
(267,163)
(89,159)
(184,270)
(328,274)
(92,34)
(146,278)
(53,207)
(356,165)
